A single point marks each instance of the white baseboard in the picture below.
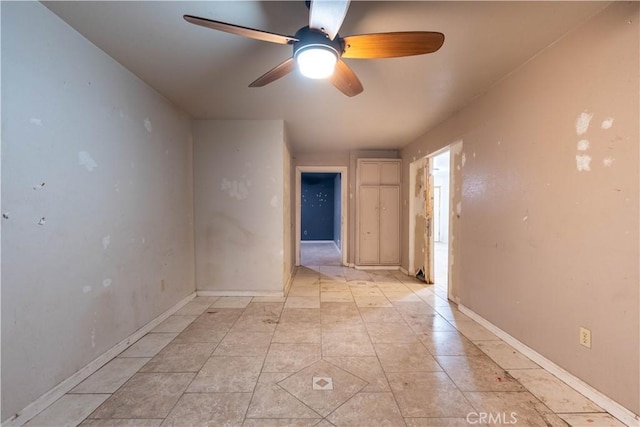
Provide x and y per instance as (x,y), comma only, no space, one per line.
(67,385)
(376,267)
(287,285)
(240,293)
(614,408)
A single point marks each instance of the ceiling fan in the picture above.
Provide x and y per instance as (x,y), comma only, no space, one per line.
(318,50)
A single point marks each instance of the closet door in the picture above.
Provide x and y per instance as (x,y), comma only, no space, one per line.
(369,225)
(389,224)
(378,212)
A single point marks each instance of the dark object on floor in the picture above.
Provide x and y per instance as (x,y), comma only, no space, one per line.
(420,275)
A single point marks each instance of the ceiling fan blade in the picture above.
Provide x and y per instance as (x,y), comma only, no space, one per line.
(275,73)
(327,15)
(345,80)
(392,45)
(240,31)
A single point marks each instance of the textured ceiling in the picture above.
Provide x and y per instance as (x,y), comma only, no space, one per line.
(206,73)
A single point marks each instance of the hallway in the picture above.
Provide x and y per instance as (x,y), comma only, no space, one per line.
(344,348)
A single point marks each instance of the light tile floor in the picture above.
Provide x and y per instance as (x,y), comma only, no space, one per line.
(394,352)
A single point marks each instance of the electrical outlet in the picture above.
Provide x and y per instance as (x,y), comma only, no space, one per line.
(585,337)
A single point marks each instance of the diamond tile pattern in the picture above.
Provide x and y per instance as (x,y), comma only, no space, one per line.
(345,347)
(320,383)
(323,401)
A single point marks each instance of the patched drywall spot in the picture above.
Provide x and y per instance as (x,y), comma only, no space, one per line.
(583,145)
(458,208)
(608,161)
(464,159)
(107,282)
(524,218)
(86,289)
(499,142)
(582,122)
(274,202)
(607,123)
(106,241)
(35,121)
(85,160)
(147,125)
(93,337)
(583,162)
(474,154)
(42,221)
(235,189)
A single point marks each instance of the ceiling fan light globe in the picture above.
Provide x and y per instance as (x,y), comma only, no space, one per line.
(316,62)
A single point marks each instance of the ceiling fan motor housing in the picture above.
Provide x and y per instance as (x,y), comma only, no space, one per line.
(310,38)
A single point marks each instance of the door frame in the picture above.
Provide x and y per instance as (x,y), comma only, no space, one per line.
(413,167)
(429,246)
(343,171)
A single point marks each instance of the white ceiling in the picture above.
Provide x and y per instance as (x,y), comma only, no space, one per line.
(206,73)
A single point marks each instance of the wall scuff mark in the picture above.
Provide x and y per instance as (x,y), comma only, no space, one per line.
(42,221)
(35,121)
(607,123)
(582,122)
(235,189)
(147,125)
(583,162)
(85,160)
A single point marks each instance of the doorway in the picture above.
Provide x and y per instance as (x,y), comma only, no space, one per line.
(440,171)
(429,205)
(321,216)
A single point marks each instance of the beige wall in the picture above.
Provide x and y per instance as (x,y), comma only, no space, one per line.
(547,246)
(238,205)
(106,161)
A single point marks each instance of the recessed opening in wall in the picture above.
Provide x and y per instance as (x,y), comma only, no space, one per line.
(320,219)
(441,180)
(321,215)
(429,205)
